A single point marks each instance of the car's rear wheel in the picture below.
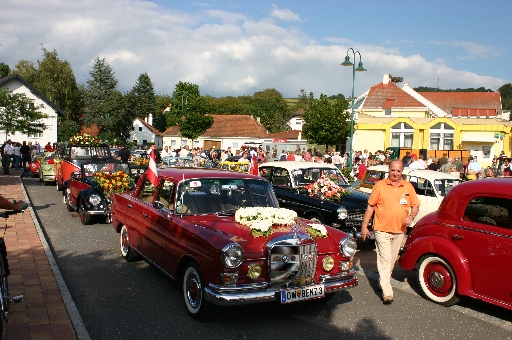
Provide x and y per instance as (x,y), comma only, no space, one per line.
(85,218)
(193,292)
(127,252)
(437,280)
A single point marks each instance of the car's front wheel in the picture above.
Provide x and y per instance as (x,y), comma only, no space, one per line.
(193,292)
(67,197)
(127,252)
(437,280)
(85,218)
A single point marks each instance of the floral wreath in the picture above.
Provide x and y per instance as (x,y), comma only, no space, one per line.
(84,139)
(325,189)
(261,219)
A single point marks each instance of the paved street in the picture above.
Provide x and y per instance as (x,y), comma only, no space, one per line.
(120,300)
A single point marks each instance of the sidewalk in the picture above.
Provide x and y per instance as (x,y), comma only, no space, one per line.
(42,314)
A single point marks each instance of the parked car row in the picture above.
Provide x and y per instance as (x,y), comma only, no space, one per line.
(198,226)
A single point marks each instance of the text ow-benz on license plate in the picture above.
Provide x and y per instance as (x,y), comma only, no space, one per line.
(302,293)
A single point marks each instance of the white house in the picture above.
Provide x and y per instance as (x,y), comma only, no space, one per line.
(17,84)
(144,132)
(226,131)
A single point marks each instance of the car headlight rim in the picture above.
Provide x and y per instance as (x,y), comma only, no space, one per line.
(348,246)
(94,199)
(232,255)
(342,213)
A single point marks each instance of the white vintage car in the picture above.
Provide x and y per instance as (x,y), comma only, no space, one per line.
(431,186)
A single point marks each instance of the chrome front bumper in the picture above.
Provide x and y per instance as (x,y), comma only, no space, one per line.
(261,292)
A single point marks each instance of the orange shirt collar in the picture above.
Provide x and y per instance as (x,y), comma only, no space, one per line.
(388,181)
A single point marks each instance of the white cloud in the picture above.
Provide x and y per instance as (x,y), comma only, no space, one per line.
(474,49)
(225,53)
(284,14)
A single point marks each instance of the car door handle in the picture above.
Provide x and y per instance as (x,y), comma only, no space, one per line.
(145,215)
(457,237)
(129,206)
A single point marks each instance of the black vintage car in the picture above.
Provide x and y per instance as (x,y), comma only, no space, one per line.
(88,190)
(290,179)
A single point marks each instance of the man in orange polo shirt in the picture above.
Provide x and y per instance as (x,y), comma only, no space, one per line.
(395,204)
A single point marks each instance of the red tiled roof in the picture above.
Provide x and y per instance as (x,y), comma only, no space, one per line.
(449,101)
(290,134)
(380,93)
(229,126)
(149,127)
(389,103)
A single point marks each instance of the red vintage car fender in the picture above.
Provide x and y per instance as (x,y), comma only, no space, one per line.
(444,248)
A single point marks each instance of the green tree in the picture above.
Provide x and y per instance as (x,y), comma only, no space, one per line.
(272,109)
(106,107)
(26,69)
(145,95)
(161,104)
(18,114)
(326,122)
(4,70)
(506,96)
(189,111)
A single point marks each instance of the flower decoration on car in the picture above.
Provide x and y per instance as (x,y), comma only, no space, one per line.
(140,161)
(317,230)
(84,139)
(261,219)
(324,188)
(112,182)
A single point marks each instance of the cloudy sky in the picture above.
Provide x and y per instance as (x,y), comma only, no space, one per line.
(231,47)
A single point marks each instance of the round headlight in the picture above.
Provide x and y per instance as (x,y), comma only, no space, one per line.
(95,199)
(254,271)
(342,213)
(348,246)
(328,263)
(232,255)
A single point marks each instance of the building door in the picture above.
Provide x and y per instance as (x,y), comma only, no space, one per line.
(208,144)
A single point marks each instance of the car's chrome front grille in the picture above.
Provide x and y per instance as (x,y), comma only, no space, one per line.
(292,261)
(355,219)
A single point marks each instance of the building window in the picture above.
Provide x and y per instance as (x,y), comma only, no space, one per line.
(196,143)
(402,135)
(441,137)
(387,112)
(173,142)
(35,135)
(184,142)
(235,145)
(298,122)
(31,104)
(144,141)
(140,128)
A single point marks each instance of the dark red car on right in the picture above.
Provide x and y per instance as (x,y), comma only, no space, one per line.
(465,248)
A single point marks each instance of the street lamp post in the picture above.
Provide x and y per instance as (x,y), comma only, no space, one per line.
(359,68)
(182,112)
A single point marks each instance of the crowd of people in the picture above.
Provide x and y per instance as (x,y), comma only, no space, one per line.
(16,155)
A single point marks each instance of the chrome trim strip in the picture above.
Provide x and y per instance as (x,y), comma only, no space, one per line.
(267,295)
(492,233)
(97,212)
(305,205)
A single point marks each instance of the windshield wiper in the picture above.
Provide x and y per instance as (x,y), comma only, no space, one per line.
(226,212)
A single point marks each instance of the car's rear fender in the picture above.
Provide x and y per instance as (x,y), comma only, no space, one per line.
(440,246)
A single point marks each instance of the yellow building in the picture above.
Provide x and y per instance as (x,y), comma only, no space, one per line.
(387,115)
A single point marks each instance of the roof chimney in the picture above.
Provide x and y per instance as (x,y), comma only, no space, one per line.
(386,78)
(300,135)
(150,119)
(258,120)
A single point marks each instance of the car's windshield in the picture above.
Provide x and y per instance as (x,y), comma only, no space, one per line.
(216,195)
(303,177)
(90,169)
(443,186)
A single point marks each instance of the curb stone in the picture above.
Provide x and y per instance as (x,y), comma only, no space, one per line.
(74,315)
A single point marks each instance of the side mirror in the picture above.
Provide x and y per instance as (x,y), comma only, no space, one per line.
(158,205)
(76,175)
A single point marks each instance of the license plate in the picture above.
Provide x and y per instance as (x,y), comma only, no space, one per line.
(303,293)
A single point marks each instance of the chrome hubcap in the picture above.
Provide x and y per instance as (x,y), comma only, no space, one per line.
(193,291)
(436,280)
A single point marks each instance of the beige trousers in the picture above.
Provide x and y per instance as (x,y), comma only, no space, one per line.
(388,246)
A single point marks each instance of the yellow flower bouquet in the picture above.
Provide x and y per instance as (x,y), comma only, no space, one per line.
(84,139)
(140,161)
(113,182)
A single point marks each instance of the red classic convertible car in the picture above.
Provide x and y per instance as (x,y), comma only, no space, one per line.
(223,236)
(466,247)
